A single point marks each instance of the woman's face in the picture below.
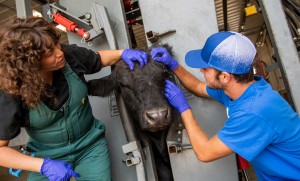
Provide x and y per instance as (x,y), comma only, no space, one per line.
(52,59)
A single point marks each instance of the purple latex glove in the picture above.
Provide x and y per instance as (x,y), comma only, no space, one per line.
(57,170)
(130,55)
(163,56)
(176,97)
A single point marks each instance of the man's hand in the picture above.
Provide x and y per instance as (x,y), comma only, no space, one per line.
(57,170)
(129,55)
(162,55)
(176,97)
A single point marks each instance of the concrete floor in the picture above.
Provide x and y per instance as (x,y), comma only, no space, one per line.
(5,176)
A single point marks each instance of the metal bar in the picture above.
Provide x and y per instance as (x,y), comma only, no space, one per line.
(245,175)
(126,120)
(24,8)
(284,46)
(103,19)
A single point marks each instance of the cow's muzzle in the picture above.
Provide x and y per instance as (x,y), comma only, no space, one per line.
(157,119)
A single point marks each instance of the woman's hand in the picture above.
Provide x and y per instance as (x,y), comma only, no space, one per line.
(130,55)
(57,170)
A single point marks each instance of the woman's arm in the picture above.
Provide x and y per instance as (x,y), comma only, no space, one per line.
(110,57)
(11,158)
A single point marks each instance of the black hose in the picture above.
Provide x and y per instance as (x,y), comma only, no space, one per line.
(293,28)
(294,33)
(293,17)
(293,7)
(296,2)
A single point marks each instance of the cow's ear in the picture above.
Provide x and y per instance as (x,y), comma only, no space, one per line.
(169,48)
(101,87)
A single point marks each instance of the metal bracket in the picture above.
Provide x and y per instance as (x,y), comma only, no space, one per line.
(97,23)
(134,148)
(272,67)
(100,21)
(131,161)
(177,147)
(56,7)
(154,37)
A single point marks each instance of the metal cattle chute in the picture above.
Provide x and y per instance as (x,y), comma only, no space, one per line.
(102,25)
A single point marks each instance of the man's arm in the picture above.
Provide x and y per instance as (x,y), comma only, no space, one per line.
(206,149)
(190,82)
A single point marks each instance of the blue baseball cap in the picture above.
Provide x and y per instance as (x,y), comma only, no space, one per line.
(230,52)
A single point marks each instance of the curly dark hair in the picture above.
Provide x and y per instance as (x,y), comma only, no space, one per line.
(23,42)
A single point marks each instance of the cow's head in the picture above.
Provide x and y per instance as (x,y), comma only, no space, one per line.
(142,90)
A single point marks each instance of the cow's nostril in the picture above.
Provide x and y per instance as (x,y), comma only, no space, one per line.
(157,115)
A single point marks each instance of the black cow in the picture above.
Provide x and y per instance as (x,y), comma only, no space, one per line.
(143,93)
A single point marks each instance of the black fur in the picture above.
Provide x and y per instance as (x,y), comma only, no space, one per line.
(143,93)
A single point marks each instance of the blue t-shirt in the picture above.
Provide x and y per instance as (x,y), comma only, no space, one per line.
(264,129)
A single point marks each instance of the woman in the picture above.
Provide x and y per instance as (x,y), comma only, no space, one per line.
(42,88)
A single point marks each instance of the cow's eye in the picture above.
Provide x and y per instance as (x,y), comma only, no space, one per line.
(167,75)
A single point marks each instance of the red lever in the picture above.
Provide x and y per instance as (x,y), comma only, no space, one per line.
(242,163)
(70,25)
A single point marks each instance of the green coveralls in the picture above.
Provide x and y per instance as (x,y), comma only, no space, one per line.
(71,134)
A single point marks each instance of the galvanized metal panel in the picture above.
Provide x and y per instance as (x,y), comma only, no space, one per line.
(194,22)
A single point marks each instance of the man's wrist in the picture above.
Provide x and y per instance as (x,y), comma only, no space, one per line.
(174,65)
(184,108)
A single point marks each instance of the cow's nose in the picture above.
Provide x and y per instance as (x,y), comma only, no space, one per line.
(156,115)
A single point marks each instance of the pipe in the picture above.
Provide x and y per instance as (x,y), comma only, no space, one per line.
(292,16)
(293,28)
(292,4)
(296,2)
(225,15)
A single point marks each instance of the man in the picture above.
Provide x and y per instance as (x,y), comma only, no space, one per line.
(261,126)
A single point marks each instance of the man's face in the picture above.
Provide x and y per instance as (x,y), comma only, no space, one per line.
(212,80)
(52,59)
